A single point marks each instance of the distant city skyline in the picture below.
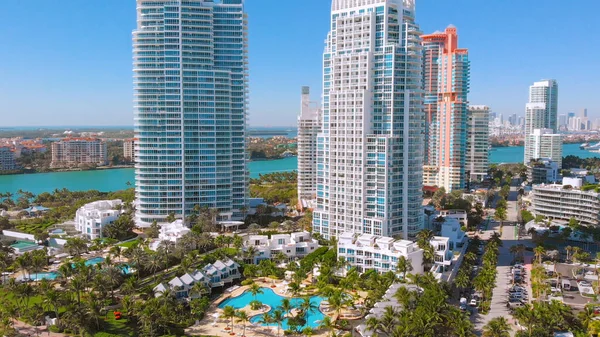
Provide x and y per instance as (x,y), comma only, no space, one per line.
(74,67)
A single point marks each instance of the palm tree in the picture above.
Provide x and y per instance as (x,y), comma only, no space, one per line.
(425,235)
(307,307)
(403,266)
(242,316)
(115,251)
(229,313)
(308,331)
(265,319)
(539,253)
(327,324)
(526,316)
(198,289)
(497,327)
(286,306)
(568,250)
(255,289)
(278,318)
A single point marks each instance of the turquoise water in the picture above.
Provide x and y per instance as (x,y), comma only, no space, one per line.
(42,276)
(110,180)
(94,261)
(114,180)
(270,298)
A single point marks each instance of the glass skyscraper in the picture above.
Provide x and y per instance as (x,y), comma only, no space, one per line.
(190,87)
(370,149)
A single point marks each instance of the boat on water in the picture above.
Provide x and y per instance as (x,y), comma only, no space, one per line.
(592,147)
(584,145)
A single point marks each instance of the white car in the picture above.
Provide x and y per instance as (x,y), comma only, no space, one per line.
(584,284)
(473,302)
(555,290)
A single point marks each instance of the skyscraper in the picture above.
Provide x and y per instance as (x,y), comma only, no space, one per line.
(541,115)
(370,150)
(190,86)
(309,126)
(446,83)
(478,142)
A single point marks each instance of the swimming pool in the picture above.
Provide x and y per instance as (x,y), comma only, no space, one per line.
(94,261)
(270,298)
(43,276)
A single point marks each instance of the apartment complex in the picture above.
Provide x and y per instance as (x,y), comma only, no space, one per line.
(309,126)
(446,82)
(213,275)
(370,252)
(129,149)
(478,142)
(541,139)
(190,85)
(542,171)
(293,245)
(7,159)
(544,144)
(91,218)
(370,149)
(566,201)
(76,151)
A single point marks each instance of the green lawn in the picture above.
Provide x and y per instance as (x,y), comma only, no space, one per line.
(120,327)
(129,244)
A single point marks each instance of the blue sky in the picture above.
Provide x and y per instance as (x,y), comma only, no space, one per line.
(68,62)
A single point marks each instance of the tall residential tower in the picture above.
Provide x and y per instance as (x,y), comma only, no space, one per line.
(478,142)
(446,83)
(369,153)
(190,85)
(541,139)
(309,126)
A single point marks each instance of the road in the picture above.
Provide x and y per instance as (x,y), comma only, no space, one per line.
(503,281)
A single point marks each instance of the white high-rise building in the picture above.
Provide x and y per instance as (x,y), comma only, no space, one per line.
(370,150)
(309,126)
(478,142)
(190,85)
(541,115)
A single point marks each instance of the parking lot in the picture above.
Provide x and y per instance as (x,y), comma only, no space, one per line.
(573,296)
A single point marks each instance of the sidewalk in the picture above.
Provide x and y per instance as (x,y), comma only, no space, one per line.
(25,329)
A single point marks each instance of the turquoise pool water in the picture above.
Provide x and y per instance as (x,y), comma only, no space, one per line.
(94,261)
(43,276)
(270,298)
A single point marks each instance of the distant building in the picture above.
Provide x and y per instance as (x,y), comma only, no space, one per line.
(76,151)
(541,139)
(294,245)
(567,200)
(309,126)
(542,171)
(91,218)
(129,149)
(543,143)
(478,143)
(446,114)
(7,159)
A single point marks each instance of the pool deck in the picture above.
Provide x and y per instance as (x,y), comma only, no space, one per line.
(217,327)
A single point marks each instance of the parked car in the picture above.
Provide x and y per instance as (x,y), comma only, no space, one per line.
(555,290)
(463,303)
(514,304)
(473,302)
(584,284)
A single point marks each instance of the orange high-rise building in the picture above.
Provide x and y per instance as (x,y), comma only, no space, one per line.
(446,85)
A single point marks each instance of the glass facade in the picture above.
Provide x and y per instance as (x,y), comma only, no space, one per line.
(369,152)
(190,87)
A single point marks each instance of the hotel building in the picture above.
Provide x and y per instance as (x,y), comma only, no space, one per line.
(478,142)
(91,218)
(190,86)
(75,151)
(369,152)
(541,139)
(293,245)
(446,82)
(309,126)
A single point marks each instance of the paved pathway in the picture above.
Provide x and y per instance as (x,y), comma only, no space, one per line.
(25,329)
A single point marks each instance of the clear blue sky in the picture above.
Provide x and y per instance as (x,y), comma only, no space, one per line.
(68,62)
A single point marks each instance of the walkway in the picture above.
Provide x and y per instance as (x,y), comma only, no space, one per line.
(25,329)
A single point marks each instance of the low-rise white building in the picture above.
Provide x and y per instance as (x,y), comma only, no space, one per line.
(381,253)
(452,229)
(565,201)
(293,245)
(170,232)
(458,214)
(91,218)
(213,275)
(542,171)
